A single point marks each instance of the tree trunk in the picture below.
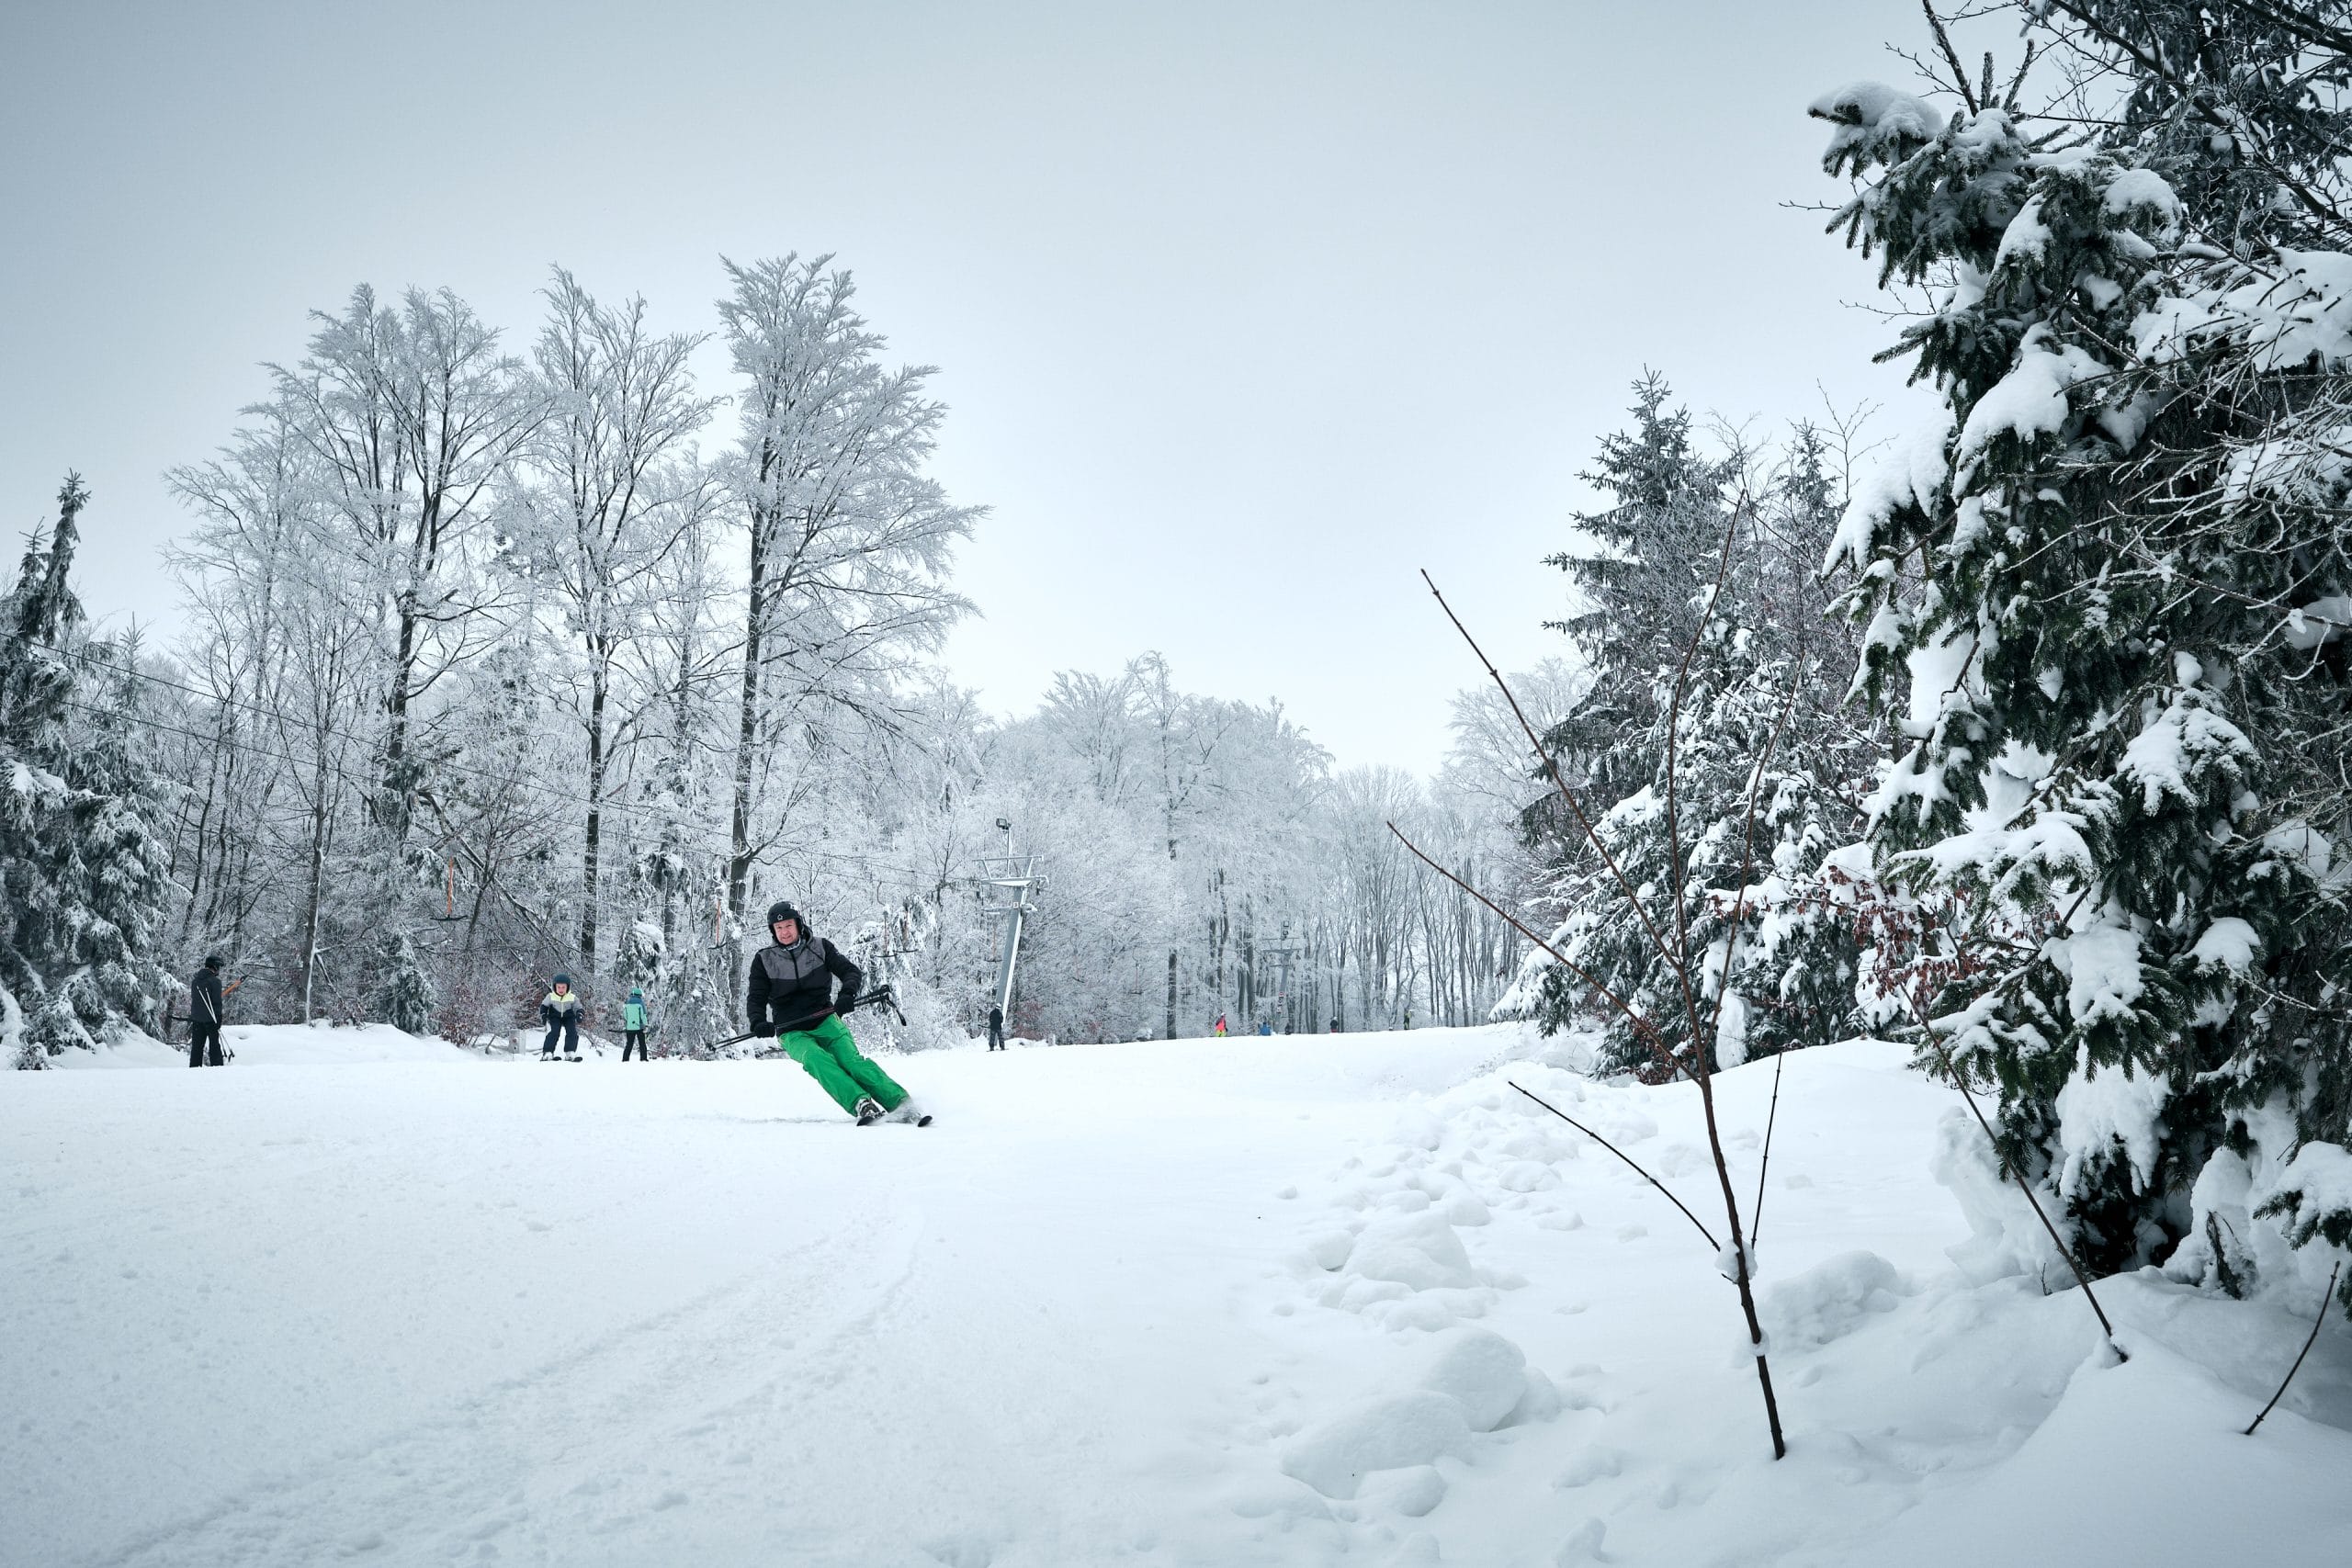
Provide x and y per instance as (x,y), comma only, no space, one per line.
(600,681)
(392,809)
(317,885)
(739,856)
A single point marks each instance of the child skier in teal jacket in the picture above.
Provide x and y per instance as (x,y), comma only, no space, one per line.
(633,1024)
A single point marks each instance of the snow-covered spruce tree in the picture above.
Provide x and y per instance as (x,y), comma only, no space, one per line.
(1635,577)
(1752,826)
(405,994)
(1753,793)
(82,876)
(2090,591)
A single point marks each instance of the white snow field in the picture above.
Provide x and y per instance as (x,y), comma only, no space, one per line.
(1329,1299)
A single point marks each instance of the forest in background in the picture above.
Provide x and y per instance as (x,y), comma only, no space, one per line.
(504,663)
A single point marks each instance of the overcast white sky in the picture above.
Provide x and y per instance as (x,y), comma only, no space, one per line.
(1244,311)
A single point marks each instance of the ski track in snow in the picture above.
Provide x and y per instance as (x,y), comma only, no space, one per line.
(1252,1303)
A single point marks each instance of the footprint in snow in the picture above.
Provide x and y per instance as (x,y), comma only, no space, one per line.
(1589,1465)
(1583,1545)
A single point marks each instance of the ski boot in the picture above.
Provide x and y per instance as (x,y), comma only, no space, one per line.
(869,1111)
(908,1111)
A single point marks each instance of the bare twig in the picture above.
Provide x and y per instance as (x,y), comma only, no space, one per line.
(1676,955)
(1951,57)
(1699,1042)
(1748,850)
(1553,767)
(2326,1298)
(1643,1028)
(1960,1082)
(1771,1119)
(1629,1159)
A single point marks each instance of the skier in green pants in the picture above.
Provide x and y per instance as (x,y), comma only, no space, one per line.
(791,996)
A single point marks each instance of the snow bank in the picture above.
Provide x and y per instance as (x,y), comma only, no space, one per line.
(320,1045)
(1629,1428)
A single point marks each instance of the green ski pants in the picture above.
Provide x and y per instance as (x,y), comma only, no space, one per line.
(833,1059)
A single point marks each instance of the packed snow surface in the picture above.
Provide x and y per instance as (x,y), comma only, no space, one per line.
(1318,1300)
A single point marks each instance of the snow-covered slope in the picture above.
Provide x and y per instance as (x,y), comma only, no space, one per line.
(1252,1302)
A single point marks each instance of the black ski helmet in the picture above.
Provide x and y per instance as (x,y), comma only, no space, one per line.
(212,961)
(563,979)
(782,910)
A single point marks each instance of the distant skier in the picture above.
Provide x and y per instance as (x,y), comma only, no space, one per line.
(1335,1026)
(996,1028)
(207,1001)
(633,1024)
(1219,1028)
(791,996)
(559,1010)
(1265,1029)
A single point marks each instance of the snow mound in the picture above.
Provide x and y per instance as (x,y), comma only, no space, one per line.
(1828,1301)
(1421,1252)
(1393,1432)
(1483,1372)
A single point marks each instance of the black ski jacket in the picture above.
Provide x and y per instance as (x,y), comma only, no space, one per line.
(794,984)
(204,999)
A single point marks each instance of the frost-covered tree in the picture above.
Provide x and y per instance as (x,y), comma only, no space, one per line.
(410,416)
(2100,595)
(609,490)
(849,537)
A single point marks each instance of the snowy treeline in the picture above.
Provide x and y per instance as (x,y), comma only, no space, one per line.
(1206,860)
(509,657)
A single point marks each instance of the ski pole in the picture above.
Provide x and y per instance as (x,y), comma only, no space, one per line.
(882,994)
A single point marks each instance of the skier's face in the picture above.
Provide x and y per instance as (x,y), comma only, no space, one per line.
(787,933)
(561,988)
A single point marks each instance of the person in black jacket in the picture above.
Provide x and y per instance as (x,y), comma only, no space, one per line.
(996,1028)
(791,996)
(207,998)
